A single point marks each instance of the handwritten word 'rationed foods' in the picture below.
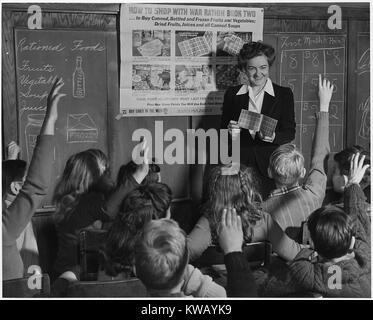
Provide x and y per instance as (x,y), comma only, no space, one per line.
(25,45)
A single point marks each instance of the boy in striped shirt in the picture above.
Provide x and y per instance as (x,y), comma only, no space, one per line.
(290,203)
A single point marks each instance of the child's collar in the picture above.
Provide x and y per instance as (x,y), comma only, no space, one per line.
(347,256)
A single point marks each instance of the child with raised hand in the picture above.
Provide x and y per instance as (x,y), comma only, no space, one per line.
(339,264)
(291,203)
(16,217)
(341,170)
(84,199)
(14,173)
(240,281)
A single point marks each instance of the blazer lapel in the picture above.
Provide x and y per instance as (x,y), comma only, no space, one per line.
(240,102)
(269,103)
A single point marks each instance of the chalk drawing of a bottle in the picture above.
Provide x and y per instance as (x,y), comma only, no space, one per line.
(32,130)
(78,79)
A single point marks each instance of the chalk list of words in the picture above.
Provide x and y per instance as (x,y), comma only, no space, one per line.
(42,56)
(181,58)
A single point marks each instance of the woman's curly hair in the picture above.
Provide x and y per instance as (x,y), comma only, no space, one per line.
(255,49)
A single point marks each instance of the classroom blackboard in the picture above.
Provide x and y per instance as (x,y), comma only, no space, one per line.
(363,91)
(300,58)
(80,59)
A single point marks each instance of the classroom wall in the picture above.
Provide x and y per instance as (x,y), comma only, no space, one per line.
(186,180)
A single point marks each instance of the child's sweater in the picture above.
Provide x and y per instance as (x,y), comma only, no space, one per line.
(308,274)
(19,214)
(291,207)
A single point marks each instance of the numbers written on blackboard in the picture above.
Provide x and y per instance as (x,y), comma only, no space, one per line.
(308,106)
(313,56)
(336,56)
(335,136)
(303,58)
(293,61)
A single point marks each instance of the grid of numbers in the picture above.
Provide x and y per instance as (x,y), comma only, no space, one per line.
(299,70)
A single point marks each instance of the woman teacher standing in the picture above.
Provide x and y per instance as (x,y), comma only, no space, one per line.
(259,95)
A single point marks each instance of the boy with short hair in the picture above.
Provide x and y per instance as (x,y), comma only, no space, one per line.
(162,257)
(342,166)
(340,264)
(290,204)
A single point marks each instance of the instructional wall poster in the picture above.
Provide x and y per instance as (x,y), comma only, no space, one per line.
(178,60)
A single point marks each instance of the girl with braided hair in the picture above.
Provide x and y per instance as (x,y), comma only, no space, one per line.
(138,208)
(235,186)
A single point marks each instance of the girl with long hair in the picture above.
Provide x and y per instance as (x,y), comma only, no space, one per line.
(85,197)
(236,186)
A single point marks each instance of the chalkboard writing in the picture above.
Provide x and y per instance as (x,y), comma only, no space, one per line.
(302,59)
(363,91)
(79,58)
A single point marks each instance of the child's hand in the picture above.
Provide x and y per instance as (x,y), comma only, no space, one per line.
(13,150)
(53,99)
(143,164)
(357,169)
(230,233)
(325,93)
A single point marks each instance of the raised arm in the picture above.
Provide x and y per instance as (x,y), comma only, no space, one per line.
(354,199)
(19,214)
(134,181)
(316,180)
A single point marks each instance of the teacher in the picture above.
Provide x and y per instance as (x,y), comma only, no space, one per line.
(259,94)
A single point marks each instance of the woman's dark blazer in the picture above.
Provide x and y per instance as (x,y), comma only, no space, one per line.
(280,107)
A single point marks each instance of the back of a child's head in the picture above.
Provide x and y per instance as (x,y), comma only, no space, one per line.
(138,208)
(343,158)
(161,255)
(233,186)
(12,170)
(286,165)
(82,171)
(331,232)
(156,196)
